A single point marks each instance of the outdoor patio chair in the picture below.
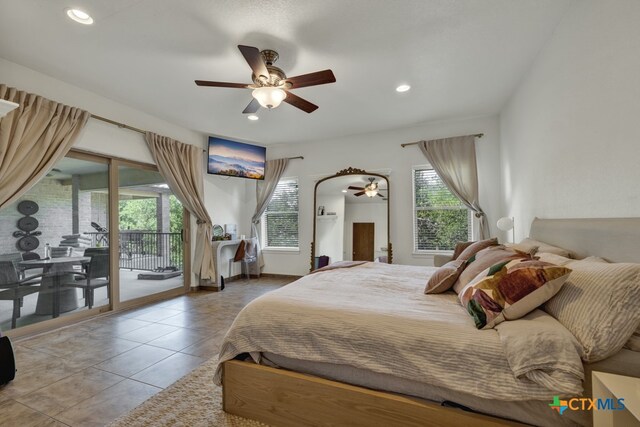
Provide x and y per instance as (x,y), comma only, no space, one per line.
(14,289)
(95,276)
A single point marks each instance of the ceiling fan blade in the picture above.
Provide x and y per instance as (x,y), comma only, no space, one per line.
(254,59)
(300,103)
(221,84)
(312,79)
(253,106)
(351,187)
(379,195)
(359,194)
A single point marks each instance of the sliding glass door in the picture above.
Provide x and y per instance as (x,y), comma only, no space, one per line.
(95,234)
(150,251)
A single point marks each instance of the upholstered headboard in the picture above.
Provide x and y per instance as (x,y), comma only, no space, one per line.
(615,239)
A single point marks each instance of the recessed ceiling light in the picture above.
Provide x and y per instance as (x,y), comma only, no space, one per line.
(253,117)
(403,88)
(80,16)
(344,191)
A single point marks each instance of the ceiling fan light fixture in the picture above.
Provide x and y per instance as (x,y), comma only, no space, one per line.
(371,192)
(268,96)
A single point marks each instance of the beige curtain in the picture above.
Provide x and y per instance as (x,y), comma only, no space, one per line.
(264,190)
(181,165)
(454,160)
(33,138)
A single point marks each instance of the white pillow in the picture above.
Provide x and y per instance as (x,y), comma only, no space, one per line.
(545,247)
(600,304)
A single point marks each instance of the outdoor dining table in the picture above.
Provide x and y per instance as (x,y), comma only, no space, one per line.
(52,300)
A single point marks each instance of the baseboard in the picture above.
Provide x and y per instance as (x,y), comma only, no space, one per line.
(281,276)
(214,287)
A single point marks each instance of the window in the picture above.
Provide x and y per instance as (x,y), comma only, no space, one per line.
(440,219)
(280,220)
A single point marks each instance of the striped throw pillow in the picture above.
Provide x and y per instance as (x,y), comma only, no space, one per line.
(600,305)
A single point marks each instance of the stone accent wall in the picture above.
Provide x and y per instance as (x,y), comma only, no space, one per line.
(54,215)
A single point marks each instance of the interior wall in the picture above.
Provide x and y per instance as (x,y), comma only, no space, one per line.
(224,198)
(381,151)
(570,145)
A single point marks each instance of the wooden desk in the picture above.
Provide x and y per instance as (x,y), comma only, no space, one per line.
(52,300)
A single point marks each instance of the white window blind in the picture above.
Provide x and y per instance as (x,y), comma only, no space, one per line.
(440,219)
(280,220)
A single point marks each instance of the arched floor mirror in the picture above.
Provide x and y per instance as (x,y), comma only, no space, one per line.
(351,218)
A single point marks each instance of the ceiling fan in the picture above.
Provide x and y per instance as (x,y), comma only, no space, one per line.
(270,84)
(370,190)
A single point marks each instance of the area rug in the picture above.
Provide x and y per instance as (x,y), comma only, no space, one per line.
(193,401)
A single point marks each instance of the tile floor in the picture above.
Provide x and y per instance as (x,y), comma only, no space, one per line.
(91,373)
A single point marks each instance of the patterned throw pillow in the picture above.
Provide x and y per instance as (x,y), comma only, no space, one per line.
(511,289)
(483,260)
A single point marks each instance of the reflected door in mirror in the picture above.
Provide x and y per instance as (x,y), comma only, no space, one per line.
(363,241)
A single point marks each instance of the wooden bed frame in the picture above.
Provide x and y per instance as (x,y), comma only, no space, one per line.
(284,398)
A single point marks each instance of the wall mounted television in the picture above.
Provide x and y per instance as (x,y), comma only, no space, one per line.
(232,158)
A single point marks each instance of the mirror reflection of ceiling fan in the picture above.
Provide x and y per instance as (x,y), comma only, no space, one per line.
(372,189)
(270,85)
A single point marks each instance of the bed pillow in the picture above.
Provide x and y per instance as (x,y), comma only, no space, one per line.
(553,258)
(634,341)
(476,247)
(545,247)
(511,289)
(600,305)
(444,277)
(483,260)
(460,246)
(523,247)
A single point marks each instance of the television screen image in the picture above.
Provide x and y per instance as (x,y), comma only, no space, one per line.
(233,158)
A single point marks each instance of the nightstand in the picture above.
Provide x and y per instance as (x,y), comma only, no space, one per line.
(610,386)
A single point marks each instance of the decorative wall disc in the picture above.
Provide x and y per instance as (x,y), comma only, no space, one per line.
(27,223)
(28,243)
(28,207)
(27,240)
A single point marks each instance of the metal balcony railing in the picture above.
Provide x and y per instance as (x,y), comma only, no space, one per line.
(144,250)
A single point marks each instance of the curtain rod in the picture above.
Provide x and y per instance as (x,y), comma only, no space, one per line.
(477,135)
(120,125)
(123,126)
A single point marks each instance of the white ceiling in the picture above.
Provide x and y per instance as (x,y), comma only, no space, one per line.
(462,58)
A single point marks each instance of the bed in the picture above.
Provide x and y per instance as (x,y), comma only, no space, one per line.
(364,346)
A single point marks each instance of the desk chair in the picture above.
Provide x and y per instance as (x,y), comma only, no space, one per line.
(247,255)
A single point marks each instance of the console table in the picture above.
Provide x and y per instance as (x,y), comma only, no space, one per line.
(223,251)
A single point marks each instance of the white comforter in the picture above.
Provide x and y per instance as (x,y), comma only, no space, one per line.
(376,317)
